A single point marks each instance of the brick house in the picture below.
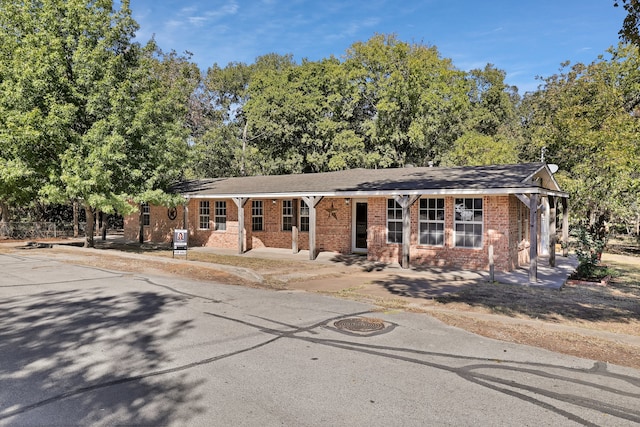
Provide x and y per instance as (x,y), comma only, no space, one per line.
(499,216)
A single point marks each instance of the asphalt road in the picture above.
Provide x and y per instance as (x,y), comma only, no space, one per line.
(85,346)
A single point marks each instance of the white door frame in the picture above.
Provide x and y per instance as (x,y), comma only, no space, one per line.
(354,204)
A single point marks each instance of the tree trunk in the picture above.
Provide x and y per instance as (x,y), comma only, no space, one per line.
(4,219)
(90,228)
(76,225)
(105,225)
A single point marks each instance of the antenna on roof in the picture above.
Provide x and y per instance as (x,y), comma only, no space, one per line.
(543,151)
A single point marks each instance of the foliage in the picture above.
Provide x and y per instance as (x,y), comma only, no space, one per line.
(630,31)
(586,120)
(88,114)
(475,149)
(589,247)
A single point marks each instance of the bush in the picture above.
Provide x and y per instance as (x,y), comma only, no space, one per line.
(589,249)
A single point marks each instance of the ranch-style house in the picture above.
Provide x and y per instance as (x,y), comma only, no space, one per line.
(498,216)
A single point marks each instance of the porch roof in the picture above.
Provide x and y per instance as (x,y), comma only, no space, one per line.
(468,180)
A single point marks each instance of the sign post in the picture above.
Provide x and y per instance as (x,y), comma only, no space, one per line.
(180,242)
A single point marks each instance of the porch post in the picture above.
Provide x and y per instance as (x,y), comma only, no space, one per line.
(312,202)
(405,203)
(533,238)
(185,215)
(240,202)
(565,227)
(552,231)
(140,224)
(294,226)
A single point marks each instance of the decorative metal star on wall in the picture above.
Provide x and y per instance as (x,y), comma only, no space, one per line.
(332,211)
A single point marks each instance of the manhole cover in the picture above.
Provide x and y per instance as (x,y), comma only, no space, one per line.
(360,324)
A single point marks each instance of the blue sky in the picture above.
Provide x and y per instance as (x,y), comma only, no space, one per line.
(526,38)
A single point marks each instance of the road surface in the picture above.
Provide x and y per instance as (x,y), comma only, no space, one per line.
(87,346)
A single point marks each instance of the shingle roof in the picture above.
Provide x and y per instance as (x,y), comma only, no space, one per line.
(418,180)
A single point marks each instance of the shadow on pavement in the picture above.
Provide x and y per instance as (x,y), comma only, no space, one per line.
(71,348)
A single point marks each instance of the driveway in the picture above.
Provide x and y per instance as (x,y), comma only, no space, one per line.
(86,346)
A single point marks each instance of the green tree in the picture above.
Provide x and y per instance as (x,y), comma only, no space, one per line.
(492,132)
(299,117)
(410,103)
(476,149)
(582,118)
(630,31)
(107,117)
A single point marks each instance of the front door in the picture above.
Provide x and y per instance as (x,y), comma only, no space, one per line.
(359,226)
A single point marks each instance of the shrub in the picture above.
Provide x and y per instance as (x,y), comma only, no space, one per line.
(589,249)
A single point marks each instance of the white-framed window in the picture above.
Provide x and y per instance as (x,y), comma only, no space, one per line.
(468,222)
(394,222)
(204,215)
(432,222)
(287,215)
(257,215)
(304,216)
(220,218)
(146,214)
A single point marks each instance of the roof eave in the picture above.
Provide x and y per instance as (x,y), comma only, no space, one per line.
(390,193)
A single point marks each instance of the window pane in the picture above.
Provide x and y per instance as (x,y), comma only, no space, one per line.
(394,222)
(431,221)
(203,215)
(220,217)
(304,209)
(256,215)
(287,215)
(468,222)
(304,216)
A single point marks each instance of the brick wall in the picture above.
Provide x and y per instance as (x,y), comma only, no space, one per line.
(497,231)
(160,227)
(333,226)
(505,227)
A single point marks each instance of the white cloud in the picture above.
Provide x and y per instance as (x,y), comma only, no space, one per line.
(190,16)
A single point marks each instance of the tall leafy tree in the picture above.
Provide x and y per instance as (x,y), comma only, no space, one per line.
(102,113)
(410,102)
(582,119)
(492,131)
(301,118)
(218,128)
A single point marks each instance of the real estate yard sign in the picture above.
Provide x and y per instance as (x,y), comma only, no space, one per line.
(180,242)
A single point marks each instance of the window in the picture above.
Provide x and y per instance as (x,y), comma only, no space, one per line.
(146,214)
(394,222)
(304,216)
(220,218)
(432,222)
(468,223)
(287,215)
(203,215)
(257,220)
